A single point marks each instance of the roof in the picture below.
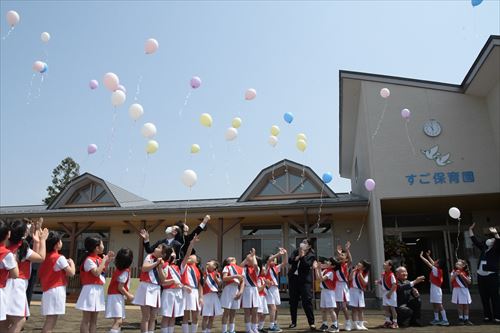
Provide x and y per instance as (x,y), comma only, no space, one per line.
(481,77)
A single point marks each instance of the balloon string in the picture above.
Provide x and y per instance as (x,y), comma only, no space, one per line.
(458,239)
(111,138)
(187,205)
(186,99)
(8,33)
(130,151)
(28,98)
(364,218)
(138,88)
(144,172)
(409,139)
(40,87)
(320,205)
(380,121)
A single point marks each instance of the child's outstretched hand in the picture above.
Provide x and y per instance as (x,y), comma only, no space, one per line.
(144,234)
(493,230)
(339,249)
(347,245)
(206,218)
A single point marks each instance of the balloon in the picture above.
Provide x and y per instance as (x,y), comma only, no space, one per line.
(327,177)
(92,148)
(476,2)
(135,111)
(384,92)
(151,46)
(231,134)
(405,113)
(275,130)
(111,81)
(273,141)
(121,88)
(454,213)
(45,68)
(301,145)
(45,37)
(288,116)
(38,66)
(250,94)
(195,148)
(195,82)
(152,146)
(369,184)
(12,18)
(93,84)
(236,122)
(148,130)
(118,97)
(189,178)
(206,120)
(301,136)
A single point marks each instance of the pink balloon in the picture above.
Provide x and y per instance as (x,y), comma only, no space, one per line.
(369,184)
(195,82)
(122,88)
(38,66)
(92,148)
(111,81)
(93,84)
(151,46)
(250,94)
(405,113)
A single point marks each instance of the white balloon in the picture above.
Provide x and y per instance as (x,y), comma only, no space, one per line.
(454,212)
(189,178)
(385,92)
(135,111)
(118,97)
(273,141)
(148,130)
(45,37)
(231,134)
(12,18)
(111,81)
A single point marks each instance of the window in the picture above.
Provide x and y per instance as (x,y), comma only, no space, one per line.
(90,194)
(289,183)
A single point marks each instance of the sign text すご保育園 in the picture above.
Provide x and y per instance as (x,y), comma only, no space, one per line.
(440,178)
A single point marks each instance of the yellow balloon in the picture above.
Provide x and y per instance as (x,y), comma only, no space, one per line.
(275,130)
(195,148)
(236,123)
(301,145)
(206,120)
(301,136)
(152,147)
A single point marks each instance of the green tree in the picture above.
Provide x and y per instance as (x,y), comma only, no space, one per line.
(61,176)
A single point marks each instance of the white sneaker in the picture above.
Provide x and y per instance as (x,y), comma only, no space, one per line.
(356,326)
(348,325)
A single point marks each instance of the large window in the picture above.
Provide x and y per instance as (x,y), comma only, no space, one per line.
(265,240)
(320,234)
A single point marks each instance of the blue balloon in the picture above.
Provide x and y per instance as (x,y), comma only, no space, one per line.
(288,116)
(45,68)
(476,2)
(327,177)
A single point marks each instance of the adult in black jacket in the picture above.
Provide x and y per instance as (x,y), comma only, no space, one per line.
(409,303)
(487,273)
(184,238)
(170,233)
(300,279)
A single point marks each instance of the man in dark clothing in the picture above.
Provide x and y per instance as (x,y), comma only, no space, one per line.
(487,273)
(169,240)
(409,303)
(184,238)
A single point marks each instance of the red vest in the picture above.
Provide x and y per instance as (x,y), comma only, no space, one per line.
(460,280)
(273,274)
(49,278)
(191,276)
(149,276)
(113,284)
(329,284)
(387,282)
(172,272)
(343,273)
(234,269)
(24,266)
(358,280)
(89,277)
(251,276)
(4,274)
(436,280)
(262,282)
(210,283)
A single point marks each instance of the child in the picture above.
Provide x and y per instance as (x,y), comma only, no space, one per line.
(211,302)
(273,294)
(192,293)
(52,274)
(148,294)
(250,299)
(328,279)
(18,308)
(8,268)
(172,304)
(118,289)
(92,278)
(436,294)
(460,280)
(358,281)
(232,276)
(262,284)
(342,288)
(389,297)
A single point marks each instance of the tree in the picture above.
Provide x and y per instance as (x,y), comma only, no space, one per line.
(61,176)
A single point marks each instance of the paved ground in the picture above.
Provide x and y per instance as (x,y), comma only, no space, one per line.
(71,321)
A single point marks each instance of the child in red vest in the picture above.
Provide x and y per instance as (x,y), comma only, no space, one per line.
(389,297)
(118,289)
(358,282)
(52,273)
(232,276)
(342,288)
(262,285)
(211,303)
(192,293)
(250,299)
(92,278)
(8,268)
(273,293)
(461,281)
(436,294)
(326,274)
(172,303)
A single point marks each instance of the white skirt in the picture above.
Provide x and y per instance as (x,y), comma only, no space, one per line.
(3,310)
(262,308)
(342,292)
(461,296)
(227,300)
(211,305)
(115,306)
(327,299)
(172,304)
(54,301)
(191,301)
(250,298)
(393,301)
(91,298)
(18,303)
(436,294)
(273,296)
(148,294)
(357,298)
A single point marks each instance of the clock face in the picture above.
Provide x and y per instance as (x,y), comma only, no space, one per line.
(432,128)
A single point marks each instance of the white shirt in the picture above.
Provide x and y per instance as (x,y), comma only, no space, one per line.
(482,272)
(61,264)
(9,262)
(90,265)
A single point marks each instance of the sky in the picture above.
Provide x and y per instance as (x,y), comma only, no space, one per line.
(289,52)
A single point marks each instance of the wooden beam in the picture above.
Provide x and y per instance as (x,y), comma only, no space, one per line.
(130,224)
(231,226)
(79,232)
(156,225)
(65,227)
